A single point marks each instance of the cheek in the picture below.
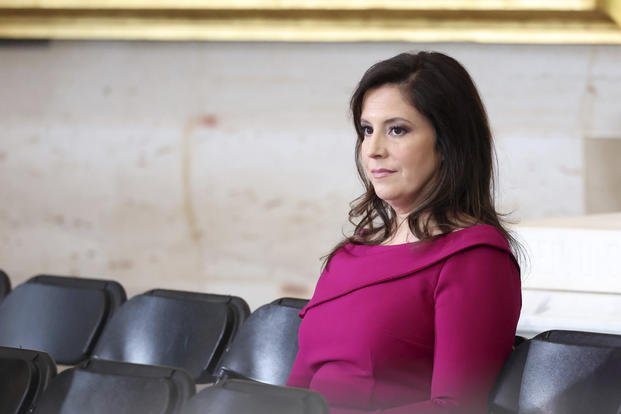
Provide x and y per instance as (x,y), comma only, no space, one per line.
(363,159)
(363,162)
(420,165)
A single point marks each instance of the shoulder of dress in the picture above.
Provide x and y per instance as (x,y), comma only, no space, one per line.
(357,266)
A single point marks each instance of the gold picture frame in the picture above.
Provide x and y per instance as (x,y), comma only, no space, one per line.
(485,21)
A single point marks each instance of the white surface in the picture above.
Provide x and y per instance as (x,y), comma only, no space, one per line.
(574,277)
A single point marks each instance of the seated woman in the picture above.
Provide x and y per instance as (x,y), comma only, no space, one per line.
(416,311)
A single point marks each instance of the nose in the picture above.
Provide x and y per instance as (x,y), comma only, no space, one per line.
(374,146)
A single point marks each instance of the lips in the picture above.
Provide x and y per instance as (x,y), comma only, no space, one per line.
(381,172)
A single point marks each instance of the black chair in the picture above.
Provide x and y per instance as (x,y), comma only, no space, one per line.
(62,316)
(104,387)
(580,338)
(5,284)
(518,341)
(249,397)
(238,308)
(561,372)
(267,343)
(24,374)
(291,302)
(177,329)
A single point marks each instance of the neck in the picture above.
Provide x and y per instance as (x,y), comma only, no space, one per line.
(402,233)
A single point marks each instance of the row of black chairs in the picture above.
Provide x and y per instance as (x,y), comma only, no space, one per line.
(163,341)
(29,384)
(174,338)
(74,319)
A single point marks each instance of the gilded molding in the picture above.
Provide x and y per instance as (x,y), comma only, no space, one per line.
(485,21)
(612,8)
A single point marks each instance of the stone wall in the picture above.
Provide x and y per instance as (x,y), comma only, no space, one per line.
(228,167)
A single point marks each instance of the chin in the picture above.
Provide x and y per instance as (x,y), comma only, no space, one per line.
(387,198)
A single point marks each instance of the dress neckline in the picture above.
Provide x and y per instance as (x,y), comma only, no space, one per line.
(417,242)
(356,266)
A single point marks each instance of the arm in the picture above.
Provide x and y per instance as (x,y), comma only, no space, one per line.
(477,305)
(477,302)
(301,373)
(299,376)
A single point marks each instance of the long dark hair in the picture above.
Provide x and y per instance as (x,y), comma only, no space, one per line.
(462,194)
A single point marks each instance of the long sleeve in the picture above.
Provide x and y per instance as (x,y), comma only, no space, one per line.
(477,305)
(301,374)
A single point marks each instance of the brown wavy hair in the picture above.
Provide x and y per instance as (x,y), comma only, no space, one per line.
(462,193)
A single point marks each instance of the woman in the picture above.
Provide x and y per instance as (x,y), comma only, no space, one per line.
(416,311)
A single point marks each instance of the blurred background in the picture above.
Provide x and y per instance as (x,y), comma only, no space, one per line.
(207,146)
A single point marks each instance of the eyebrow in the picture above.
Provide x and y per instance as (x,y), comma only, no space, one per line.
(388,121)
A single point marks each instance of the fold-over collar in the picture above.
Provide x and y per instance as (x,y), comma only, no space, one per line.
(356,266)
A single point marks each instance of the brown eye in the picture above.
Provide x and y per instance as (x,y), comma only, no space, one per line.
(366,130)
(398,131)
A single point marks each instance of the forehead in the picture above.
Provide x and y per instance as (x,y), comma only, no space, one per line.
(387,101)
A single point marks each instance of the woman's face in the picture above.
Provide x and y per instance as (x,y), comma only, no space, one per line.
(398,148)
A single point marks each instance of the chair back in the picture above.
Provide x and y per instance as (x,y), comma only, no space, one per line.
(239,308)
(266,346)
(184,330)
(297,303)
(62,316)
(24,374)
(5,284)
(249,397)
(104,387)
(561,372)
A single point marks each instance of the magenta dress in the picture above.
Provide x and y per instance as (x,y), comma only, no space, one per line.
(414,328)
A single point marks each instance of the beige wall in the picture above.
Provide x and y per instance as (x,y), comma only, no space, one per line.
(603,174)
(228,167)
